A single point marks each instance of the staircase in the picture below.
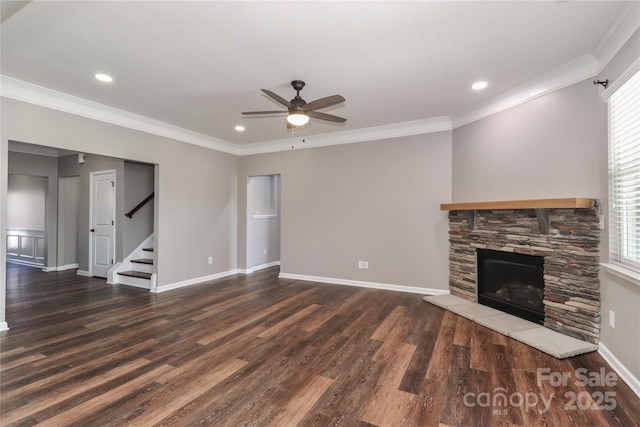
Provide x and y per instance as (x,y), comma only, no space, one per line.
(137,269)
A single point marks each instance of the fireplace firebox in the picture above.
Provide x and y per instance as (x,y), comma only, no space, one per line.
(512,282)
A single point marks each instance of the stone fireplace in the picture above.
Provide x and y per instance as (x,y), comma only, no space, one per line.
(563,233)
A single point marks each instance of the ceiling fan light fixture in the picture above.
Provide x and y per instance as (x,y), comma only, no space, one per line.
(298,119)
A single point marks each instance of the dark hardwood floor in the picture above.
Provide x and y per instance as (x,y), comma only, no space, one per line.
(256,350)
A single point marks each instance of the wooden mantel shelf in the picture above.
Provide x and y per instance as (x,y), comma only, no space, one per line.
(568,203)
(540,206)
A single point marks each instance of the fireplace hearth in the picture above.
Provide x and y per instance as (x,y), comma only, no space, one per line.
(512,282)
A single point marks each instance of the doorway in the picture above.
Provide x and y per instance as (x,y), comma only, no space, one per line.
(263,222)
(26,225)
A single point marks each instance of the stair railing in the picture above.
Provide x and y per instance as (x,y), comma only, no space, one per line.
(139,205)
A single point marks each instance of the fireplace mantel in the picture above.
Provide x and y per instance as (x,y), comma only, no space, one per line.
(567,203)
(540,206)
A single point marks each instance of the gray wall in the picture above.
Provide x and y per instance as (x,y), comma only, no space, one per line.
(195,189)
(619,295)
(138,184)
(68,210)
(26,201)
(134,182)
(375,201)
(549,147)
(42,166)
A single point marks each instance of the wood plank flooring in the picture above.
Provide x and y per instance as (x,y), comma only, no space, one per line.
(254,350)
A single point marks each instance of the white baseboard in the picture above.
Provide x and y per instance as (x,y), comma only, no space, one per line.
(621,370)
(361,284)
(4,326)
(26,263)
(195,281)
(60,268)
(260,267)
(83,273)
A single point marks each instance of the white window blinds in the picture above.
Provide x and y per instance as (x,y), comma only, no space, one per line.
(624,174)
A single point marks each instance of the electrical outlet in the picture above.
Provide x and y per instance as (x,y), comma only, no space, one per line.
(265,251)
(360,264)
(366,264)
(210,260)
(612,319)
(601,224)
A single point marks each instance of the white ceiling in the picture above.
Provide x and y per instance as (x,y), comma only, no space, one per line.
(198,65)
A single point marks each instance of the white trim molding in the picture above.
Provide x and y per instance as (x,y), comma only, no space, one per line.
(84,273)
(570,73)
(362,284)
(4,326)
(194,281)
(259,267)
(60,101)
(622,272)
(623,27)
(619,368)
(60,268)
(622,79)
(66,267)
(417,127)
(26,263)
(265,216)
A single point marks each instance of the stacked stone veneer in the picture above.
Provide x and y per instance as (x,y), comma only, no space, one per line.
(571,260)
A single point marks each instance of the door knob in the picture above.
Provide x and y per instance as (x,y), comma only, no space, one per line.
(92,230)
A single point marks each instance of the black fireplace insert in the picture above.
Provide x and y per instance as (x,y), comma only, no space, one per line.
(511,282)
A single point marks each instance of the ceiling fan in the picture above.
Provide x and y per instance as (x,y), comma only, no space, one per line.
(299,110)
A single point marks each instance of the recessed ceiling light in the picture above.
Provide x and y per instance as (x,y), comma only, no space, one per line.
(479,85)
(104,77)
(240,128)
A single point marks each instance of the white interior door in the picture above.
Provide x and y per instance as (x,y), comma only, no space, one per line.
(102,222)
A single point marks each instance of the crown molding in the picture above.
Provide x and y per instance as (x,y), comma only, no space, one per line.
(570,73)
(417,127)
(621,79)
(585,67)
(60,101)
(624,26)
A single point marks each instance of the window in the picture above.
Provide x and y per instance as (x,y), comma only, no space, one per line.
(624,174)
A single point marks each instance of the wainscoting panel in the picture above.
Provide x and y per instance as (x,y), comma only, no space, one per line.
(25,246)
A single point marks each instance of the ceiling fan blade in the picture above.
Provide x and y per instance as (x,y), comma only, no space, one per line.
(278,98)
(253,113)
(325,116)
(323,102)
